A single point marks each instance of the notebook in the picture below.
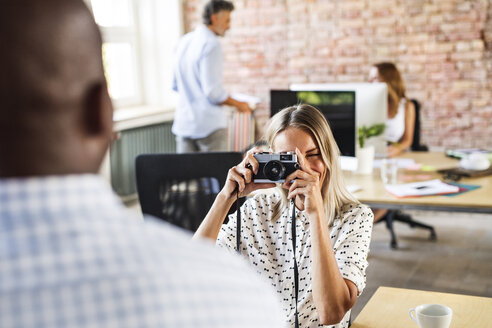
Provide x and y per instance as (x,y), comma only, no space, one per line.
(422,188)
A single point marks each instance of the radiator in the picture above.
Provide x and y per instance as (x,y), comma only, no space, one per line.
(158,138)
(131,143)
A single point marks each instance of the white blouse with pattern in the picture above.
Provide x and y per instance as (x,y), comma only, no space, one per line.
(268,246)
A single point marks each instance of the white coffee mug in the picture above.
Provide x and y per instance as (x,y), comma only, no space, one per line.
(431,315)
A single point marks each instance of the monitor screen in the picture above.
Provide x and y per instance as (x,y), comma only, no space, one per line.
(338,107)
(371,105)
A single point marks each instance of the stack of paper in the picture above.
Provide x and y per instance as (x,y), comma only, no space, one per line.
(423,188)
(251,100)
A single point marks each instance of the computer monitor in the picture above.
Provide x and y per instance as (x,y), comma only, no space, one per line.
(338,107)
(371,105)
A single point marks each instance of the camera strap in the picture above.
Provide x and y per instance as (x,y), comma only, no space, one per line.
(296,273)
(238,222)
(293,227)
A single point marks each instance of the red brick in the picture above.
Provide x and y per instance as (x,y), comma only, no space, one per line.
(444,49)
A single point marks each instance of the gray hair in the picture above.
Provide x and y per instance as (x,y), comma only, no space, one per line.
(213,7)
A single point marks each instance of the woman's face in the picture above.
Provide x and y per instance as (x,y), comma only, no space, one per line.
(289,139)
(374,75)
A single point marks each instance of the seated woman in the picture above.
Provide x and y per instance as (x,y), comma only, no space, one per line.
(401,111)
(401,114)
(332,230)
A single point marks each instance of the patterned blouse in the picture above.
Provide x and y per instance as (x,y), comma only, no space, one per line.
(268,246)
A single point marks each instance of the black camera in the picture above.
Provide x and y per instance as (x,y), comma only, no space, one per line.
(275,167)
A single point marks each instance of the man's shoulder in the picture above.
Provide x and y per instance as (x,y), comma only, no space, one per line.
(201,41)
(176,245)
(210,273)
(149,263)
(162,237)
(201,34)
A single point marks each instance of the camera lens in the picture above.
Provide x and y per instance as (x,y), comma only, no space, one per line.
(274,170)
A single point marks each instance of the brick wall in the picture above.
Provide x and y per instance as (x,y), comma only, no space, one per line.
(442,47)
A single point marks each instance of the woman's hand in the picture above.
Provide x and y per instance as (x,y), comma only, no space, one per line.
(241,176)
(305,186)
(394,150)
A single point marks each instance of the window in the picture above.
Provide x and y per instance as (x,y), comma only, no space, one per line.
(139,37)
(118,22)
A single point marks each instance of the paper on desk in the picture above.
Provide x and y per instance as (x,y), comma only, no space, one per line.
(251,100)
(423,188)
(403,163)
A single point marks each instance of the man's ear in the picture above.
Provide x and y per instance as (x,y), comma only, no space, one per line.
(213,19)
(98,111)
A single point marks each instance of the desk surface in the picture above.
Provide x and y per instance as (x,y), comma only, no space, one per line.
(389,307)
(374,194)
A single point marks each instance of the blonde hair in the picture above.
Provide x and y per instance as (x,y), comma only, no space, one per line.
(389,74)
(309,119)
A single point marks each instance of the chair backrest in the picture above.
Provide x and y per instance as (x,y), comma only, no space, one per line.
(416,145)
(180,188)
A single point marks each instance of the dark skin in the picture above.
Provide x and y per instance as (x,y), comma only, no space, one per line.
(56,114)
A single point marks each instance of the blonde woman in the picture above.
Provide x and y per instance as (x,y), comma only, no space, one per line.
(401,112)
(332,228)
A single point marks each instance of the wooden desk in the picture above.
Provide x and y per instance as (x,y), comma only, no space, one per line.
(388,307)
(374,194)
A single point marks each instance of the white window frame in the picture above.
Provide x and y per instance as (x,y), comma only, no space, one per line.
(158,25)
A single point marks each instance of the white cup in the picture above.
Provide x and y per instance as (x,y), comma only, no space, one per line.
(475,161)
(431,315)
(389,170)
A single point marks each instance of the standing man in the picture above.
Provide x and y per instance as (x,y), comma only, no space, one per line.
(70,253)
(200,122)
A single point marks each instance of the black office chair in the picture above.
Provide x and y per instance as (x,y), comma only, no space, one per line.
(180,188)
(397,215)
(416,145)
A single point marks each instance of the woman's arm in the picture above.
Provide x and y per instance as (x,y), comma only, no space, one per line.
(407,138)
(333,295)
(239,177)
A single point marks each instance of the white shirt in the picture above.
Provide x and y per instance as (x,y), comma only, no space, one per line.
(72,256)
(268,246)
(198,80)
(395,127)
